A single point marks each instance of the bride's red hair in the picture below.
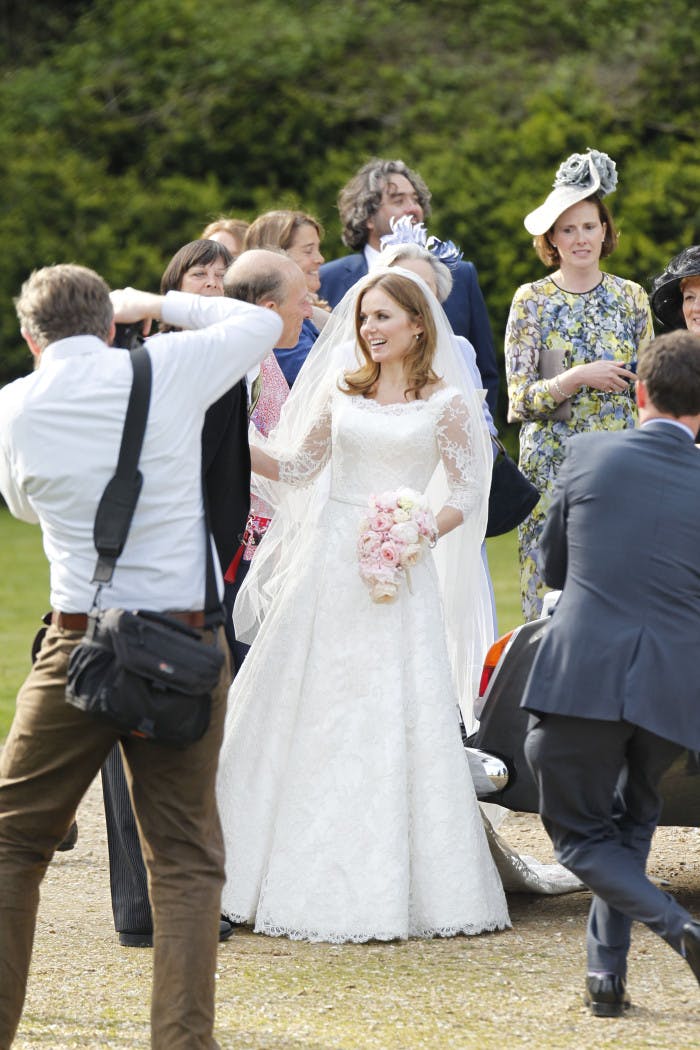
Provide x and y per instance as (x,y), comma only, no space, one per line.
(418,362)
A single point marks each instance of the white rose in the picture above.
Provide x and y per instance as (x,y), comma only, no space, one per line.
(404,532)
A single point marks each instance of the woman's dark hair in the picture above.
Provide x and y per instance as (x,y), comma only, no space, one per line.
(195,253)
(550,256)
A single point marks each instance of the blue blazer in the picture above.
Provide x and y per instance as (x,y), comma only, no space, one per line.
(465,309)
(620,539)
(291,359)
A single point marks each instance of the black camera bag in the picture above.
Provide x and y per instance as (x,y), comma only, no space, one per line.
(146,674)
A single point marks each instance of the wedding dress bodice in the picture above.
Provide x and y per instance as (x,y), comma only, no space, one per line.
(376,448)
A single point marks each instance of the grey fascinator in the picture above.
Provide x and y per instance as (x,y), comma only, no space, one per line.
(581,170)
(579,176)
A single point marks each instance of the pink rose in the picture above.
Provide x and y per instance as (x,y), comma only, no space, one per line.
(389,554)
(368,543)
(386,501)
(382,521)
(427,525)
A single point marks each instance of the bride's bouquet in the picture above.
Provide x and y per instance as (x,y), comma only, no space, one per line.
(393,537)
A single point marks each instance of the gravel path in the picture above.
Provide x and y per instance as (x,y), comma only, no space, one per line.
(521,987)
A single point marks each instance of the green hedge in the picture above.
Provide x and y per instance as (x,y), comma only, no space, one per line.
(133,123)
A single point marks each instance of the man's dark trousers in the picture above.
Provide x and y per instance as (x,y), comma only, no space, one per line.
(601,823)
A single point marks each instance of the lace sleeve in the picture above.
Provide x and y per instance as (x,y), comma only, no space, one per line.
(458,456)
(309,460)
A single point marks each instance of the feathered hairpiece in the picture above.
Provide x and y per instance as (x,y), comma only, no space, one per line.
(405,231)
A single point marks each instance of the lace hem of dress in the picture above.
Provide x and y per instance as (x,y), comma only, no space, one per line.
(418,933)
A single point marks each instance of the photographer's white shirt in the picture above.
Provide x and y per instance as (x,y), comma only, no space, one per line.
(60,432)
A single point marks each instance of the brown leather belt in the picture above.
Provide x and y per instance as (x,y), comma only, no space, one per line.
(78,621)
(69,621)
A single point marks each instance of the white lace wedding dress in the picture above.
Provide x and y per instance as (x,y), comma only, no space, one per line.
(345,797)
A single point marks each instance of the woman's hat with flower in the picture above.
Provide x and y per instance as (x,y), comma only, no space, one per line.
(666,296)
(580,176)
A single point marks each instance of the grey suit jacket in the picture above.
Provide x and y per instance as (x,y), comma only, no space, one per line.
(621,540)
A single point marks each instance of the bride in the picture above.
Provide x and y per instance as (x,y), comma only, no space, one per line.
(345,797)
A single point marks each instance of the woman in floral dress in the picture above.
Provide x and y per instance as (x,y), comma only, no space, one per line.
(572,341)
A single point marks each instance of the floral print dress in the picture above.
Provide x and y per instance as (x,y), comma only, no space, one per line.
(612,321)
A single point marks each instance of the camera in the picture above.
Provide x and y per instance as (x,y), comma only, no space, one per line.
(128,336)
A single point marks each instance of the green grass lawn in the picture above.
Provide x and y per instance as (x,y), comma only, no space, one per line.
(505,573)
(24,598)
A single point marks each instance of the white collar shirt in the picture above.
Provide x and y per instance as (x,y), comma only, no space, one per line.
(669,423)
(372,256)
(60,432)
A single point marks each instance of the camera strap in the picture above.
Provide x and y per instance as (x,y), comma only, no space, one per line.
(116,508)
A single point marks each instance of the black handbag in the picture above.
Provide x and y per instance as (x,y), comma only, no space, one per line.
(512,496)
(144,673)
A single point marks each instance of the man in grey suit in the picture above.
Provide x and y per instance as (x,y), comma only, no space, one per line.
(614,688)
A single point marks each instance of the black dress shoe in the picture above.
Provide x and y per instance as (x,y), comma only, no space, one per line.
(70,839)
(144,938)
(691,947)
(225,929)
(136,938)
(606,995)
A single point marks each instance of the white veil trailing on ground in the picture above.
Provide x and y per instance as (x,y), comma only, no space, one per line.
(305,423)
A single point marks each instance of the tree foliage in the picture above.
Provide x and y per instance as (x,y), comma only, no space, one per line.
(133,123)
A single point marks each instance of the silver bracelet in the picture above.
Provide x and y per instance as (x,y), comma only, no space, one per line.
(559,389)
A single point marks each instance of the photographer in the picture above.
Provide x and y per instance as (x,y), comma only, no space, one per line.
(197,267)
(60,432)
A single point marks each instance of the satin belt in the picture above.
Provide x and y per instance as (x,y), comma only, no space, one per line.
(364,503)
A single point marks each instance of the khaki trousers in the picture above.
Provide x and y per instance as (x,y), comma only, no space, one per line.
(51,756)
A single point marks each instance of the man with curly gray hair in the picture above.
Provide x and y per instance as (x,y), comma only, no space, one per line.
(383,190)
